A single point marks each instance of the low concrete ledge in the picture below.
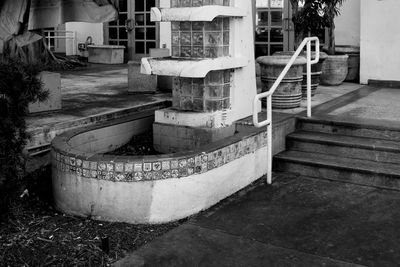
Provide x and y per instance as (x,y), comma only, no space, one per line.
(384,83)
(203,13)
(41,137)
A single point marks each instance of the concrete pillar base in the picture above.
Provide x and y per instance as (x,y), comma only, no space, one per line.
(176,138)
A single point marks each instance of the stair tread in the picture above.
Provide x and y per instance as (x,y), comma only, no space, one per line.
(346,140)
(340,162)
(368,124)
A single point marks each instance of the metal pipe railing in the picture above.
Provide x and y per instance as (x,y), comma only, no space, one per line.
(58,34)
(268,122)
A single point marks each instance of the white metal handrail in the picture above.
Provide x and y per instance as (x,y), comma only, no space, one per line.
(59,34)
(268,122)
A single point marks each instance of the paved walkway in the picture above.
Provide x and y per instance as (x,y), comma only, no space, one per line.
(94,90)
(297,221)
(92,94)
(366,105)
(376,103)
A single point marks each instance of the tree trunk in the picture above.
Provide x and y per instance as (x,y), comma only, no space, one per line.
(331,42)
(298,39)
(298,34)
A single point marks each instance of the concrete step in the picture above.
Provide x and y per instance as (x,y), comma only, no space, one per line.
(371,149)
(385,175)
(383,131)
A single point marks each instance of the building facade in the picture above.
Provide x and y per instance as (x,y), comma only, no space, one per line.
(370,24)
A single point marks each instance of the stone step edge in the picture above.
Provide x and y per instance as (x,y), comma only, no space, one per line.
(340,122)
(340,141)
(324,163)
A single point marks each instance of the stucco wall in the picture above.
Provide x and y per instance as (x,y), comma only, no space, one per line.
(347,30)
(83,30)
(380,40)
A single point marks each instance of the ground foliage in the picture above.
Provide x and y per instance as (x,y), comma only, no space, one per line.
(35,234)
(32,232)
(19,86)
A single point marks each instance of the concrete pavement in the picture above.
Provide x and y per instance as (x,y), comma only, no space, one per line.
(297,221)
(93,94)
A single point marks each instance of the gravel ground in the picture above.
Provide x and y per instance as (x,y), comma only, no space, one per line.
(139,145)
(33,233)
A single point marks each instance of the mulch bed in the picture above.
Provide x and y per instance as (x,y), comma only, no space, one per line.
(37,235)
(33,233)
(139,145)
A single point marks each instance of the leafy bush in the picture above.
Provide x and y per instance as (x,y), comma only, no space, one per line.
(19,86)
(312,16)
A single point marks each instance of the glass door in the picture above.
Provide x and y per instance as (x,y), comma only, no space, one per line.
(274,30)
(115,32)
(143,33)
(133,29)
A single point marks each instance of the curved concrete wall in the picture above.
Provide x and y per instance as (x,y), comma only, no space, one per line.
(149,189)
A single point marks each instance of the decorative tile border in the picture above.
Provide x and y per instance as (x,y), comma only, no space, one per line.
(159,169)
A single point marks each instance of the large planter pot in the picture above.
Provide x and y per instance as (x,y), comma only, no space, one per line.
(106,54)
(288,94)
(316,70)
(354,61)
(334,70)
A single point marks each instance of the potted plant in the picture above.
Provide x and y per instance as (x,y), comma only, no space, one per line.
(335,67)
(353,52)
(307,18)
(308,21)
(311,16)
(288,93)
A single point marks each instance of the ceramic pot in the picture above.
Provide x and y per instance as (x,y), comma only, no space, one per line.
(334,69)
(288,93)
(354,61)
(315,71)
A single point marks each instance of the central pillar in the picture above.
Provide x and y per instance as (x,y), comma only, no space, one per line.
(212,63)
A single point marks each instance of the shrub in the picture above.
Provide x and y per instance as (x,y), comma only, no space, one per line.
(19,86)
(311,16)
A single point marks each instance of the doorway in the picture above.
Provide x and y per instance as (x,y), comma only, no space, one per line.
(273,27)
(133,29)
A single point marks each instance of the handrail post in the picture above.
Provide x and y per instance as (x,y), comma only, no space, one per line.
(309,79)
(268,122)
(48,39)
(74,43)
(269,140)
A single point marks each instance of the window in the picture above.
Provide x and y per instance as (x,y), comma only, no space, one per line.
(269,27)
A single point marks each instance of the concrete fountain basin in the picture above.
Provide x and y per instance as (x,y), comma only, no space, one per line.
(149,189)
